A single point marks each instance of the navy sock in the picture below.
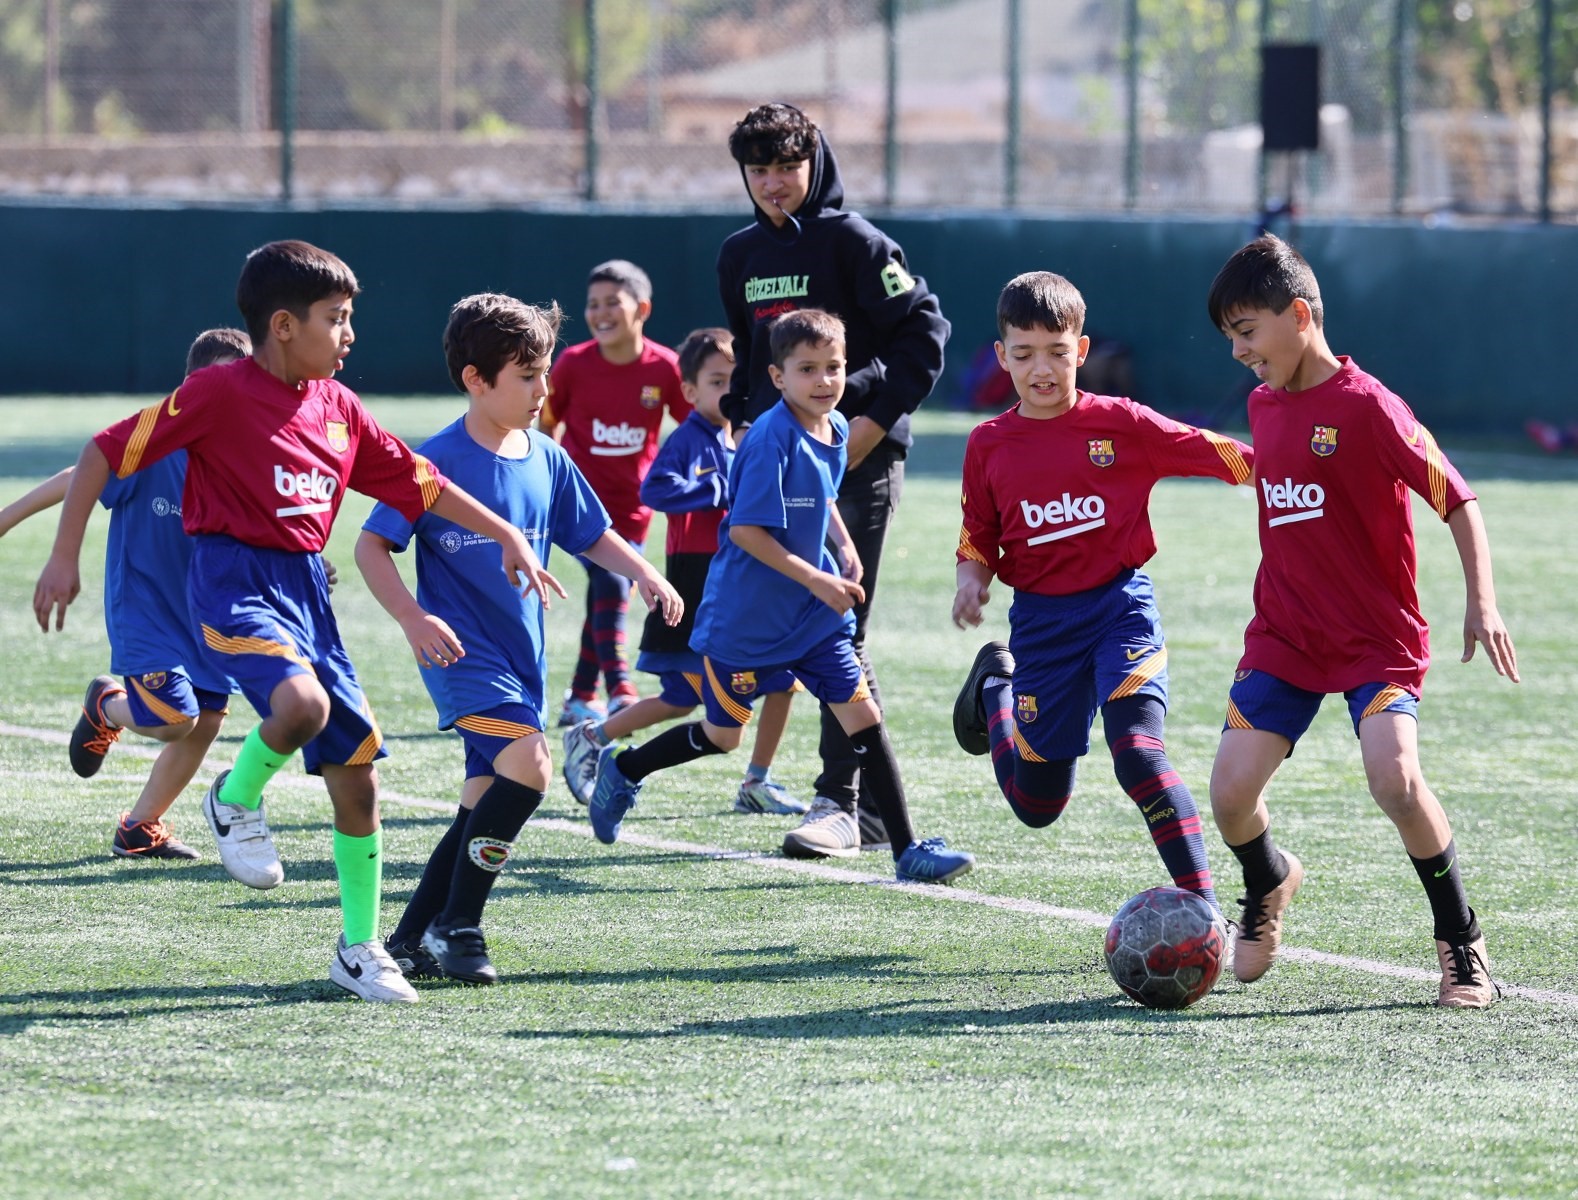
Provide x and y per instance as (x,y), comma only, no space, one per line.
(1264,866)
(489,837)
(1454,919)
(1037,790)
(432,890)
(879,779)
(681,744)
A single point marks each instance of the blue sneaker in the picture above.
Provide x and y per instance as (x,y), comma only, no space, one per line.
(612,796)
(576,710)
(931,861)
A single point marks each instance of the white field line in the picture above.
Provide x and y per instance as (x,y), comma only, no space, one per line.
(820,869)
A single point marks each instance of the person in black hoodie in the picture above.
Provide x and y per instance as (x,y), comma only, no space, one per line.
(804,251)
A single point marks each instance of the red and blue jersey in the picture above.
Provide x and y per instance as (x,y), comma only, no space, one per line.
(1336,603)
(689,481)
(1060,506)
(612,414)
(268,464)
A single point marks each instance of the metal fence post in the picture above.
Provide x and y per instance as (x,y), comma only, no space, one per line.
(890,116)
(1013,133)
(1547,83)
(1402,73)
(593,88)
(287,101)
(1131,91)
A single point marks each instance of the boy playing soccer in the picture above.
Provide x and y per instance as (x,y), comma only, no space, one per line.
(689,481)
(1335,604)
(173,693)
(1056,504)
(777,600)
(272,442)
(480,643)
(608,397)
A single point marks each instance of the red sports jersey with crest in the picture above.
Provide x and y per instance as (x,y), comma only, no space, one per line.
(1335,598)
(268,464)
(1060,506)
(612,413)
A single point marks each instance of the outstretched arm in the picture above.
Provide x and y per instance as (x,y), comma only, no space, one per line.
(520,560)
(613,553)
(432,640)
(59,583)
(46,495)
(1482,621)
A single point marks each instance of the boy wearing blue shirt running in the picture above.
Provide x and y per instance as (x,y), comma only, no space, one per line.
(479,641)
(784,486)
(173,692)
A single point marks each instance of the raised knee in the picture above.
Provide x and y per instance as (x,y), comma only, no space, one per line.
(174,732)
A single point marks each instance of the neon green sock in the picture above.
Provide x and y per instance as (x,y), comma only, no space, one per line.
(257,763)
(360,863)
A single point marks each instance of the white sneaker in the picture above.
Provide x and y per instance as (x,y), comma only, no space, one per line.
(366,970)
(246,848)
(580,761)
(827,832)
(766,796)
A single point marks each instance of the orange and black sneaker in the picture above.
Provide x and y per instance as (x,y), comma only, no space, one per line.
(147,839)
(95,733)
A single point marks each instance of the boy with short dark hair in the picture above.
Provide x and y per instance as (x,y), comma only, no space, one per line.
(689,481)
(272,442)
(172,692)
(775,565)
(1056,504)
(606,401)
(1336,608)
(804,251)
(480,644)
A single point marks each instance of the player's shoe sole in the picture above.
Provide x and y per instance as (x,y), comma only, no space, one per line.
(93,734)
(969,717)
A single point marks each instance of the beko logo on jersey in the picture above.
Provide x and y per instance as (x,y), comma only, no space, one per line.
(1302,501)
(313,488)
(623,438)
(1090,512)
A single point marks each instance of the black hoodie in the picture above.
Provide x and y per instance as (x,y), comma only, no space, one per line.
(823,257)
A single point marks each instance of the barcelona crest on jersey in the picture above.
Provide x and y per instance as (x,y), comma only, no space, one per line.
(651,396)
(339,435)
(1324,440)
(1101,451)
(1025,710)
(742,682)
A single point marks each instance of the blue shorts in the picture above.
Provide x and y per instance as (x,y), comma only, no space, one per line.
(1074,653)
(683,689)
(265,616)
(486,734)
(1261,701)
(831,673)
(169,698)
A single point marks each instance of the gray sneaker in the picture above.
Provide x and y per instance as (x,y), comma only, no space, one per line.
(580,761)
(366,970)
(827,832)
(765,796)
(246,848)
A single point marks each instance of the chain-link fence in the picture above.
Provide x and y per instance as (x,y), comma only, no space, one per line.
(1462,107)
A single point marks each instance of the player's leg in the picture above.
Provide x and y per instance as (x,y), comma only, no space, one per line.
(361,965)
(142,832)
(680,694)
(431,893)
(759,792)
(107,711)
(609,620)
(1389,742)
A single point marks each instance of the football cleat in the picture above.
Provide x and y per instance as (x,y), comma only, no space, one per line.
(1465,976)
(1260,928)
(94,733)
(576,710)
(969,717)
(147,839)
(827,832)
(930,861)
(612,796)
(366,970)
(580,760)
(460,953)
(413,961)
(246,848)
(765,796)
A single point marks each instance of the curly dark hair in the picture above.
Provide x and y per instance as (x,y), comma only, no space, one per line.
(773,133)
(490,330)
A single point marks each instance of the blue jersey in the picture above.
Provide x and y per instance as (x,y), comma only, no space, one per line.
(145,562)
(458,575)
(783,480)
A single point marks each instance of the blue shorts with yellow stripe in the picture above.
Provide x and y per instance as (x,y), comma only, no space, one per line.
(1262,701)
(170,698)
(486,734)
(1074,653)
(264,615)
(831,673)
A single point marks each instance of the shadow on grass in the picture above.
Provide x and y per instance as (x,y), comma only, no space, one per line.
(131,1003)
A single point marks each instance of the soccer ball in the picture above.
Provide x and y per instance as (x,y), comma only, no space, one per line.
(1165,947)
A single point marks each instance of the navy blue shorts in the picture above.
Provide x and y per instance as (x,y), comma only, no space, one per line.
(1261,701)
(486,734)
(169,698)
(831,673)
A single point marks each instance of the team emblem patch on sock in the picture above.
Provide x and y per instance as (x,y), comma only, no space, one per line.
(489,853)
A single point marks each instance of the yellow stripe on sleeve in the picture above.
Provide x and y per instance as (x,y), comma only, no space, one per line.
(131,458)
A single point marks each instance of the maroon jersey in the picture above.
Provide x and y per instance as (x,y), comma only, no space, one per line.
(1062,505)
(1335,598)
(612,413)
(268,464)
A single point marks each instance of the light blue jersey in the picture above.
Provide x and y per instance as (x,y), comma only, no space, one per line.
(145,563)
(458,573)
(783,480)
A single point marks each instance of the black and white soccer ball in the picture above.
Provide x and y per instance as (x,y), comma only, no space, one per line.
(1165,947)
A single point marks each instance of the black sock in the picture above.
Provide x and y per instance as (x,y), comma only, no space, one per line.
(490,835)
(432,890)
(879,779)
(681,744)
(1264,866)
(1454,919)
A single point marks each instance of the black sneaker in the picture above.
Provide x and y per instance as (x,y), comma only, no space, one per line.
(460,953)
(94,733)
(414,962)
(969,719)
(873,833)
(147,839)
